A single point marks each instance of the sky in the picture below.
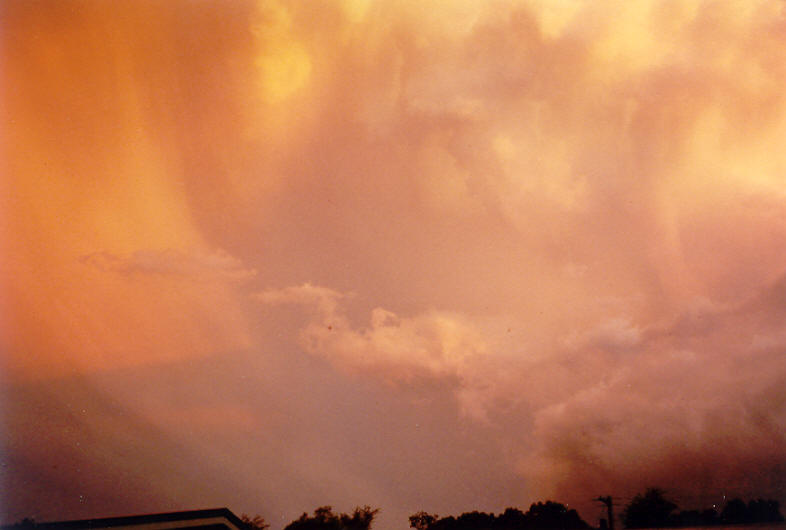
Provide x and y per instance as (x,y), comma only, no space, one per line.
(442,256)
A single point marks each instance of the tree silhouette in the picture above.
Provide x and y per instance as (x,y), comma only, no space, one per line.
(756,511)
(554,515)
(325,519)
(735,511)
(541,515)
(649,510)
(475,521)
(422,520)
(254,523)
(360,519)
(512,519)
(764,511)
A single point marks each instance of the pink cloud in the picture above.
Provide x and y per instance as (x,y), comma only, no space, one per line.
(217,265)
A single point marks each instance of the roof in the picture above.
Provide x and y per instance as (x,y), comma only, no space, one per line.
(211,519)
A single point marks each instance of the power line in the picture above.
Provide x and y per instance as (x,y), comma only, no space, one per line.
(609,502)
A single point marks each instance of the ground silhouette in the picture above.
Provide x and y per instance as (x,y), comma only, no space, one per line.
(653,510)
(541,515)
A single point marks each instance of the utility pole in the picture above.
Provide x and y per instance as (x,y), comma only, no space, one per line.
(607,500)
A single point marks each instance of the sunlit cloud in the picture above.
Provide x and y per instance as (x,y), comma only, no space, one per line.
(199,266)
(399,350)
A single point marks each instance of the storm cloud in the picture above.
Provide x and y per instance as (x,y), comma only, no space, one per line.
(274,255)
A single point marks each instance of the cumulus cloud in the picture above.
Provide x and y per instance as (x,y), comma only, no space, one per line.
(399,350)
(685,403)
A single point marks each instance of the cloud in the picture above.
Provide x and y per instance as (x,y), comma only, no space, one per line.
(323,299)
(620,407)
(562,226)
(692,406)
(399,350)
(200,266)
(615,334)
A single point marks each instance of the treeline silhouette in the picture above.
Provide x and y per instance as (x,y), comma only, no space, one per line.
(541,515)
(650,509)
(325,519)
(653,510)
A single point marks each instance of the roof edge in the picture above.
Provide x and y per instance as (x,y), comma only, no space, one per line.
(129,520)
